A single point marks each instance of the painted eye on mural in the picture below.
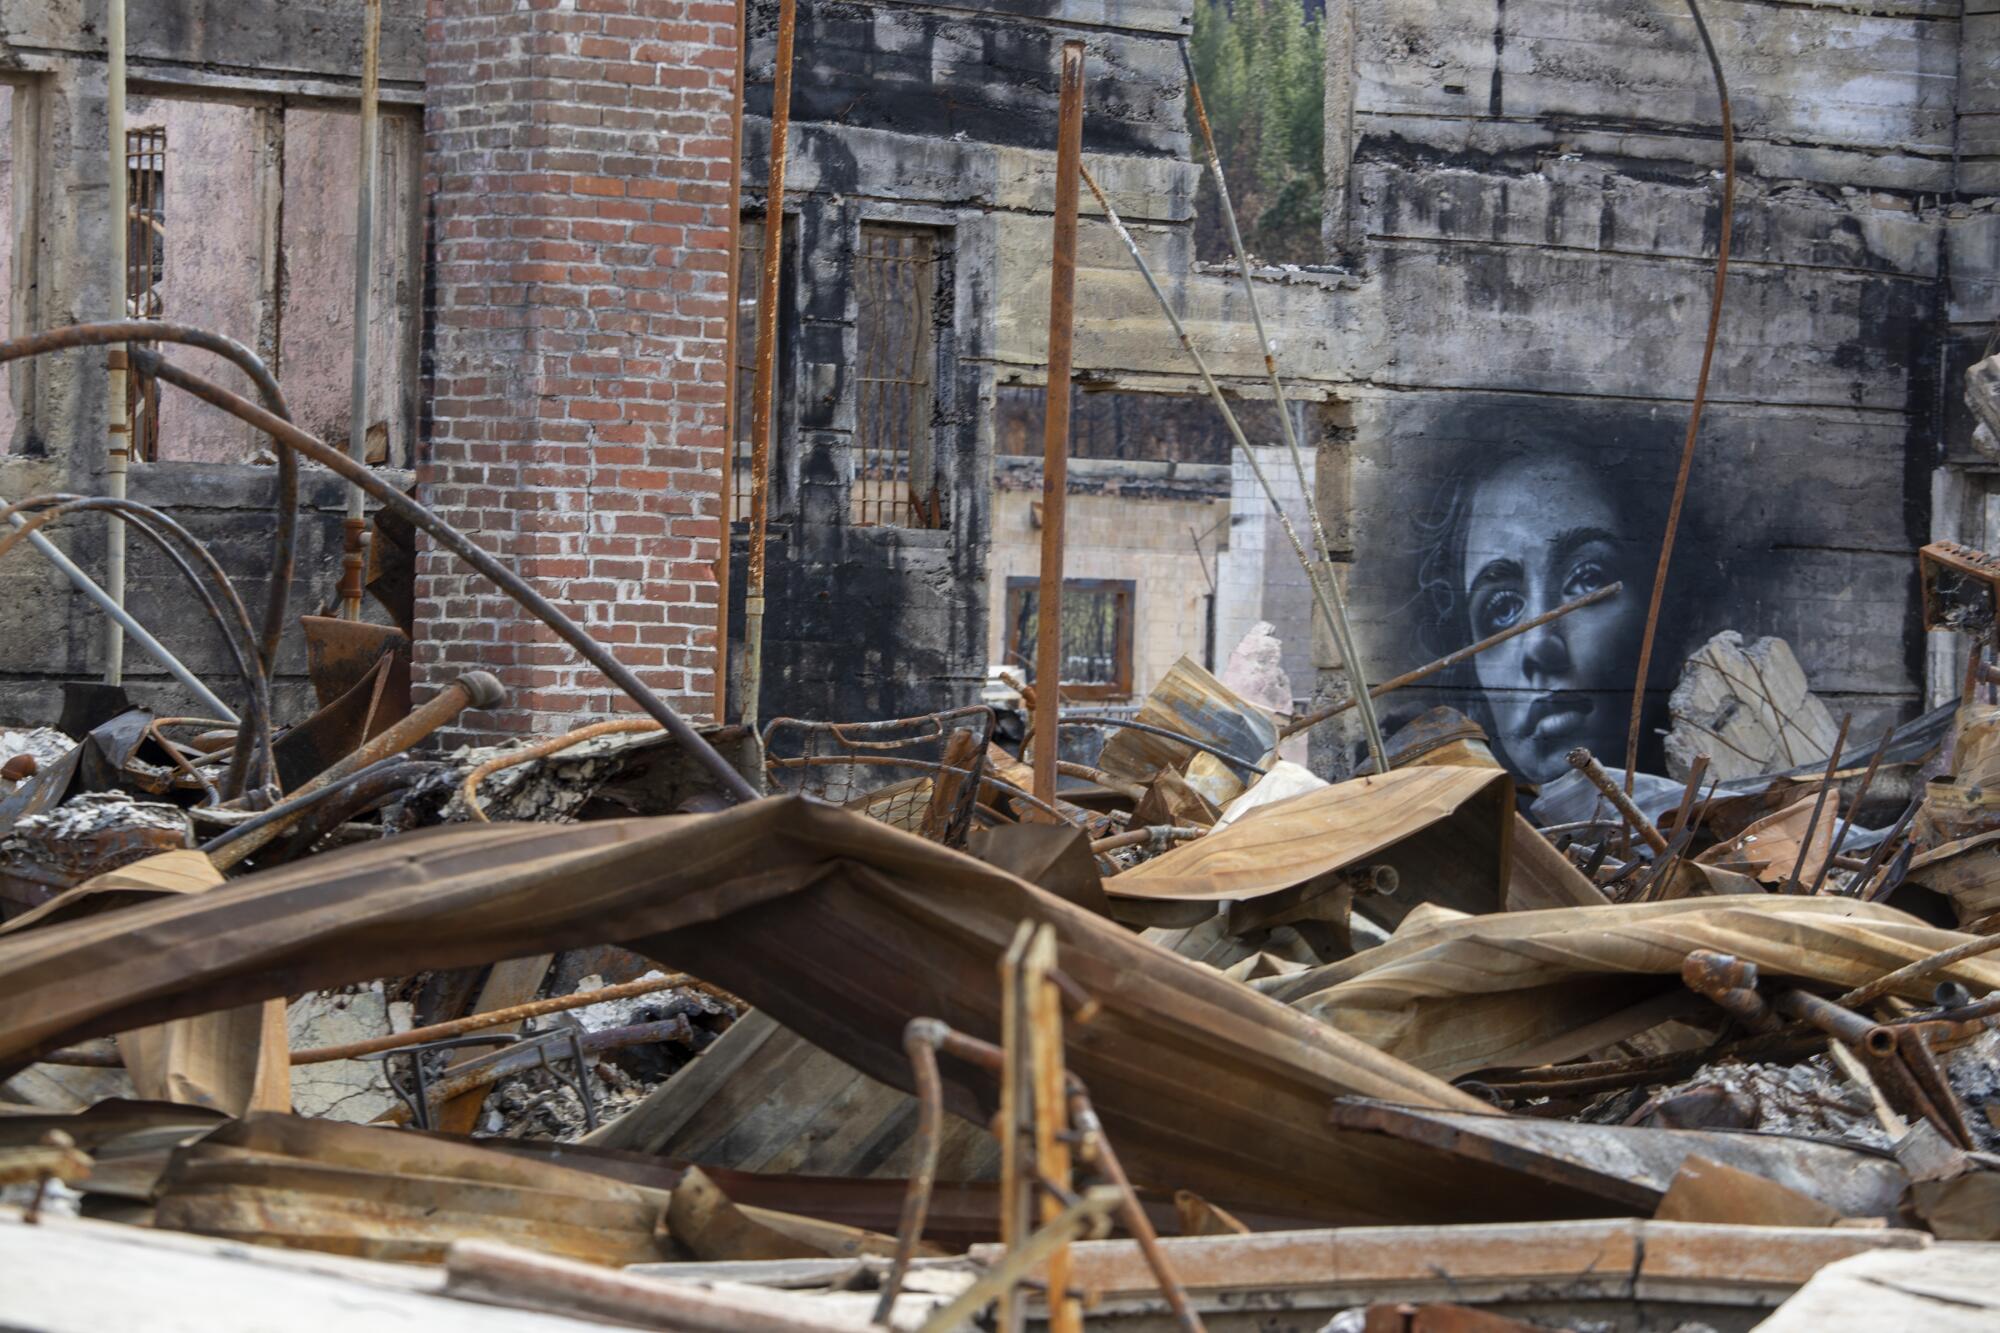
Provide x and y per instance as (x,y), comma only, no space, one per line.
(1587,577)
(1500,609)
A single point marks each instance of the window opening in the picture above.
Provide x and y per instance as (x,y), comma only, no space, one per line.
(145,270)
(1096,634)
(895,278)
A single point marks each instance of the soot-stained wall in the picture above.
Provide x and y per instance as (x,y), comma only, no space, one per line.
(944,121)
(1531,194)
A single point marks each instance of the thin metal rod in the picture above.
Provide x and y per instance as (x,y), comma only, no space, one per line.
(764,378)
(1321,588)
(1700,397)
(354,556)
(719,710)
(153,648)
(1862,879)
(1819,803)
(118,428)
(513,585)
(1586,763)
(920,1041)
(1918,970)
(1450,660)
(501,1018)
(1343,632)
(1860,795)
(468,791)
(1055,425)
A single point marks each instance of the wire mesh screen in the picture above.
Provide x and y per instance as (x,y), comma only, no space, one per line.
(920,774)
(895,282)
(145,268)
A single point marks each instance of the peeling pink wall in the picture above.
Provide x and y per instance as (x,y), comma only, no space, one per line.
(214,255)
(322,149)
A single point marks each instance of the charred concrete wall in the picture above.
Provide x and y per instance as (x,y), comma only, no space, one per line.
(256,61)
(938,119)
(1532,192)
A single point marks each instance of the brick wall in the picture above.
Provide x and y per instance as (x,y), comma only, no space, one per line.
(580,194)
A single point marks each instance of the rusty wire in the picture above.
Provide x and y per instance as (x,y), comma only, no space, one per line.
(468,790)
(1700,396)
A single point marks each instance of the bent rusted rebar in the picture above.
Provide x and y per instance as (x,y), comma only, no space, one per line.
(284,552)
(253,743)
(1700,395)
(924,1038)
(289,437)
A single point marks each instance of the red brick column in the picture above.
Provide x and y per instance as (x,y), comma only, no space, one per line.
(578,155)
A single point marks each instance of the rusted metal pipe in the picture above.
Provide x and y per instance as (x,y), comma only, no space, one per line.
(1449,660)
(354,550)
(921,1039)
(1585,763)
(1161,833)
(471,553)
(1791,884)
(764,378)
(118,427)
(1732,984)
(1902,977)
(1700,395)
(474,689)
(1343,633)
(1055,424)
(1104,1161)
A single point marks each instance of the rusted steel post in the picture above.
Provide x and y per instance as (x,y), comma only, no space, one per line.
(118,428)
(1017,1164)
(1585,763)
(763,381)
(720,709)
(1052,1128)
(354,548)
(1055,425)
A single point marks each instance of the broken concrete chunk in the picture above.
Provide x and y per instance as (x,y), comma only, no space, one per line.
(1749,710)
(354,1091)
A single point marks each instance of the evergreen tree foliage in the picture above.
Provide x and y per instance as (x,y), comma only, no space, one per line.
(1263,77)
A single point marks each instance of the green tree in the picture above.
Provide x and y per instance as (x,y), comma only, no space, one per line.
(1262,75)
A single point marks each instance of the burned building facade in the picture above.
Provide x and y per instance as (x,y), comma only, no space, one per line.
(1492,358)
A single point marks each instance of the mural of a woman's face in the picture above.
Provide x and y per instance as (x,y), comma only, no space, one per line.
(1539,533)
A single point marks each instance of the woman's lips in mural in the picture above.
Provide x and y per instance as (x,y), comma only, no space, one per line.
(1559,716)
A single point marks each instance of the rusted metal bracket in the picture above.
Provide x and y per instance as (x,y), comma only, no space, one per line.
(1961,589)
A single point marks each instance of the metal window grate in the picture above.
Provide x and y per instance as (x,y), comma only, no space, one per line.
(145,269)
(895,477)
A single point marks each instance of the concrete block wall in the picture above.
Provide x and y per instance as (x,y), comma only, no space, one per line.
(580,218)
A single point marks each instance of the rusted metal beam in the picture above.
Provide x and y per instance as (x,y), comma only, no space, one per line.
(764,377)
(1055,425)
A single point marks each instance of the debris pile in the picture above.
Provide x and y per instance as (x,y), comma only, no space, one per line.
(1064,1016)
